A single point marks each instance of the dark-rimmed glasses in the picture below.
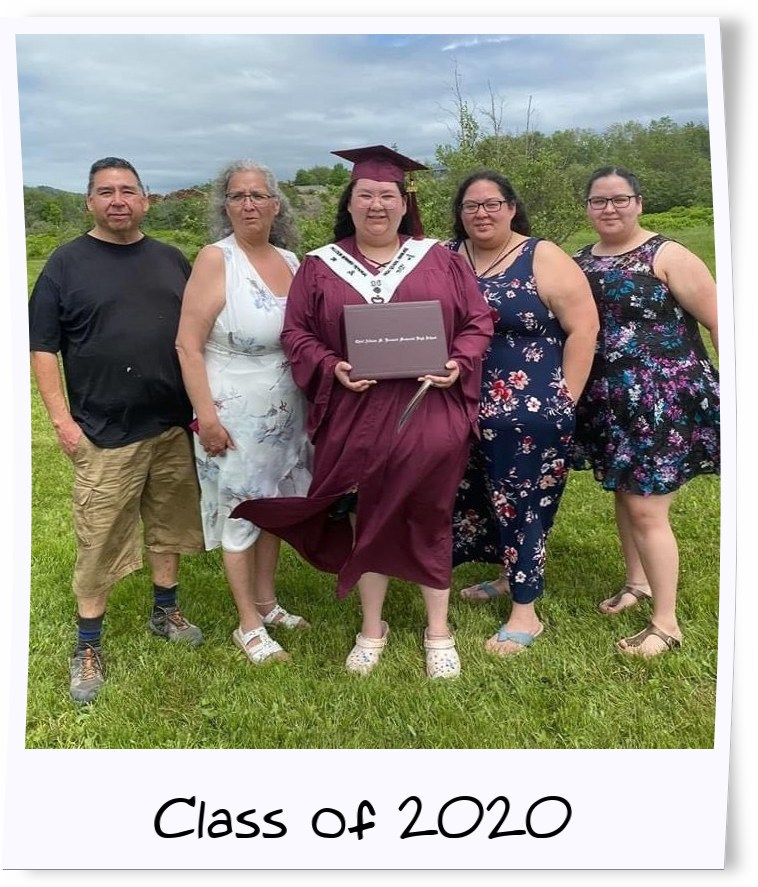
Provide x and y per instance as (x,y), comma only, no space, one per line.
(620,201)
(238,197)
(491,206)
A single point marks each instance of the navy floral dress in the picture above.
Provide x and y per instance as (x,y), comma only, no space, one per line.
(516,474)
(648,419)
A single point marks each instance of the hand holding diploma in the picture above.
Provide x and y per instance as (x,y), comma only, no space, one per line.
(444,381)
(342,373)
(428,382)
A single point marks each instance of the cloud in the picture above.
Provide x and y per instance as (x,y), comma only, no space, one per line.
(180,106)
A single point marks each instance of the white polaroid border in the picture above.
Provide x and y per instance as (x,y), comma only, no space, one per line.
(677,822)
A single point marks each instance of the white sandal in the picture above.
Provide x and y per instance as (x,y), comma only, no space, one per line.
(280,618)
(266,650)
(441,657)
(366,652)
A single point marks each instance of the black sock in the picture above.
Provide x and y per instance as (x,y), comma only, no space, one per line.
(164,597)
(89,632)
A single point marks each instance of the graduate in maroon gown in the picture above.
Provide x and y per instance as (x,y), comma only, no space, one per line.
(381,500)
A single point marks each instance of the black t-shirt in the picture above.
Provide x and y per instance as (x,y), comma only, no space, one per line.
(112,311)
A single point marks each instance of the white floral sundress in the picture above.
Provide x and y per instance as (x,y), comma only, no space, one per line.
(257,402)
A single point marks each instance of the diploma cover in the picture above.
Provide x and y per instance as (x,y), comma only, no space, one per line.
(395,340)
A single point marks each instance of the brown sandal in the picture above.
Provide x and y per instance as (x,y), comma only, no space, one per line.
(613,602)
(632,644)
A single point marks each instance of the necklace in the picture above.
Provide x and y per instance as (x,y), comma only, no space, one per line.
(505,252)
(375,263)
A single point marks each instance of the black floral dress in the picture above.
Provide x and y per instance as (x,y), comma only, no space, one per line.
(516,474)
(648,419)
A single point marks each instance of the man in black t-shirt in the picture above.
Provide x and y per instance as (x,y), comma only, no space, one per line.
(109,303)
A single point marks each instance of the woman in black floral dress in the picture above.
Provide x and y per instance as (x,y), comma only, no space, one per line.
(648,420)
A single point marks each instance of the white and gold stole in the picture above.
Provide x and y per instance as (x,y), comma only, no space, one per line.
(375,288)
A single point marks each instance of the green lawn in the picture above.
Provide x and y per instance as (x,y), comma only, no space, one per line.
(569,691)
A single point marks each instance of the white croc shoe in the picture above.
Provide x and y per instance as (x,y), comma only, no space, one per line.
(441,657)
(366,652)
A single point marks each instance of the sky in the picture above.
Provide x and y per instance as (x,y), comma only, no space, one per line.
(180,106)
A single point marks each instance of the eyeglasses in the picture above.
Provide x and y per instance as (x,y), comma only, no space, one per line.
(366,198)
(491,206)
(619,201)
(236,198)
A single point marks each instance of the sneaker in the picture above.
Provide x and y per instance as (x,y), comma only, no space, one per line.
(87,674)
(169,623)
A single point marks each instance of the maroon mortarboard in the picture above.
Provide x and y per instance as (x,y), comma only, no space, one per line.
(381,164)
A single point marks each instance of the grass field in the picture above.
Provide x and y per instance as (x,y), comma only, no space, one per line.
(569,691)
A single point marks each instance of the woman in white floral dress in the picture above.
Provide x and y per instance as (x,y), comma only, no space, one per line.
(250,416)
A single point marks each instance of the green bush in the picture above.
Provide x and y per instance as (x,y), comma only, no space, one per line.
(189,242)
(39,246)
(679,217)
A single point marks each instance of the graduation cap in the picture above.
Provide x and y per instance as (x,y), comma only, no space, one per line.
(381,164)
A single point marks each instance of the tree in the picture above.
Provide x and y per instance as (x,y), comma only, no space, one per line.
(316,227)
(303,177)
(339,176)
(52,213)
(316,175)
(536,170)
(672,162)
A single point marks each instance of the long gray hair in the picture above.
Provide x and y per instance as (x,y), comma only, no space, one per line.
(284,233)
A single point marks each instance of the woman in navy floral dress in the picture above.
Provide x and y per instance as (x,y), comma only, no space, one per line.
(649,417)
(545,330)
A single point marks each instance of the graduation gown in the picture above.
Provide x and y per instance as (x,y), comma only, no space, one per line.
(406,481)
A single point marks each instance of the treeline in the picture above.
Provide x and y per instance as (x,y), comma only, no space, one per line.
(337,175)
(671,161)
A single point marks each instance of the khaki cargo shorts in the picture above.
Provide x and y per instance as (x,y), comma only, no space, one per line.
(149,486)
